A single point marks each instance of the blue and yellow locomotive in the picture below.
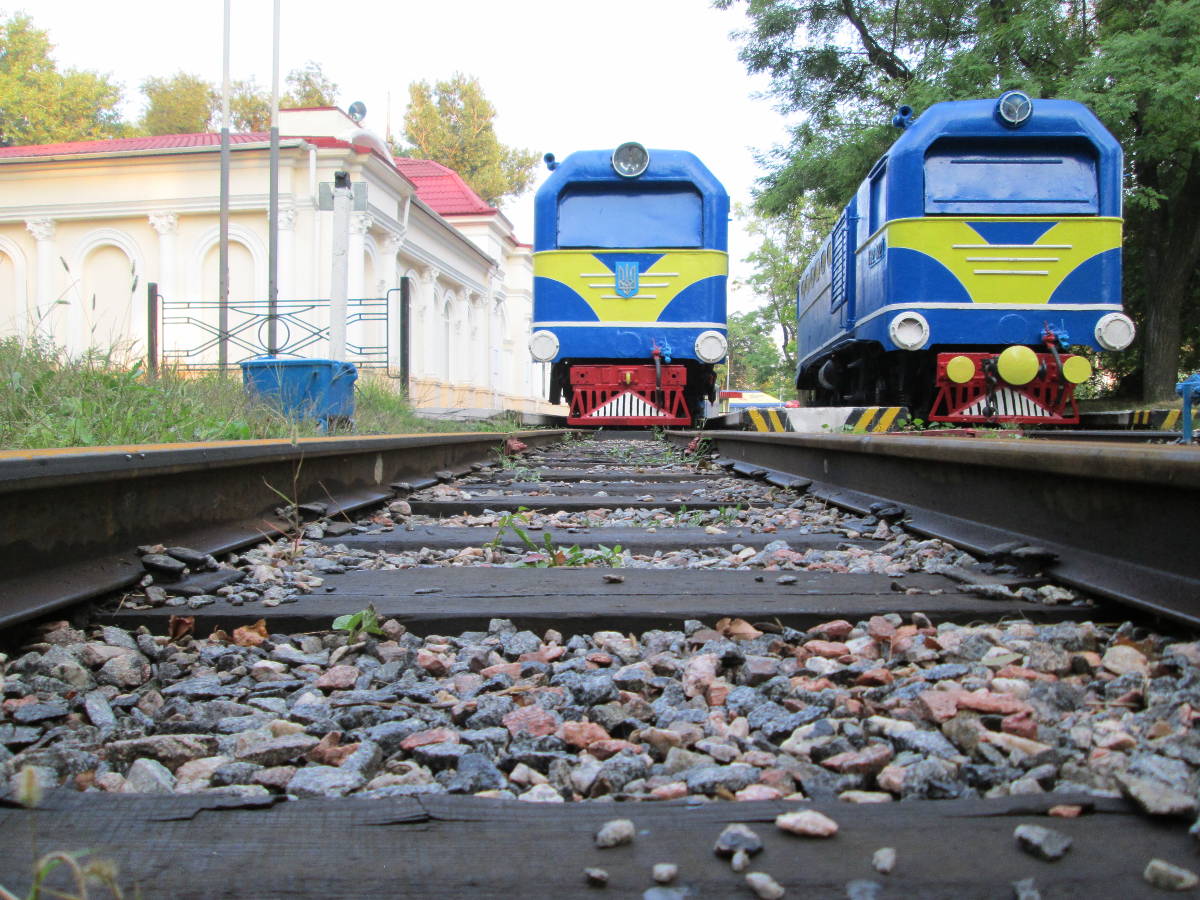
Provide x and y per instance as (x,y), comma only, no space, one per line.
(984,244)
(630,265)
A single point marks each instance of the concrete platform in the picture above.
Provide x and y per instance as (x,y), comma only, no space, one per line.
(1159,419)
(454,414)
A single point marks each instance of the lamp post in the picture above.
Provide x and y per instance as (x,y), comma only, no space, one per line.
(223,239)
(273,203)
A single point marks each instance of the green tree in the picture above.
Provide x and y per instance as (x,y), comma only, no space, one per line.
(181,104)
(450,122)
(184,103)
(1143,83)
(786,242)
(308,86)
(845,65)
(40,104)
(754,361)
(249,106)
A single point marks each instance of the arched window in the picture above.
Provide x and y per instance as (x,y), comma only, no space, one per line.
(107,290)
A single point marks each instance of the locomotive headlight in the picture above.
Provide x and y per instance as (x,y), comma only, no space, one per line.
(1076,369)
(710,346)
(1115,331)
(1017,365)
(960,369)
(630,159)
(543,345)
(909,331)
(1014,108)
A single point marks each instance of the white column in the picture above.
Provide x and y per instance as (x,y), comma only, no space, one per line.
(391,268)
(285,277)
(427,337)
(43,231)
(454,348)
(495,336)
(360,224)
(474,368)
(166,225)
(499,378)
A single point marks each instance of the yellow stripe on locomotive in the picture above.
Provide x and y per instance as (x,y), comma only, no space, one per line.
(1006,273)
(584,273)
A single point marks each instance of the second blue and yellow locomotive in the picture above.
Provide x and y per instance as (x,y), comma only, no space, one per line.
(630,266)
(983,245)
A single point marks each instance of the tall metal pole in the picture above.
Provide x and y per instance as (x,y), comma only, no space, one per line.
(273,210)
(405,295)
(152,329)
(339,276)
(223,264)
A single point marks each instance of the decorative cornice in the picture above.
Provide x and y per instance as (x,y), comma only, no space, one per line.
(123,209)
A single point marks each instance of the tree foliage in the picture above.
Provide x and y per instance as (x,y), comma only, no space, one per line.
(181,104)
(786,242)
(40,104)
(308,86)
(844,66)
(184,104)
(451,122)
(754,362)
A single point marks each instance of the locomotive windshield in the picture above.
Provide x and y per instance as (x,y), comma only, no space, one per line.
(1009,177)
(638,214)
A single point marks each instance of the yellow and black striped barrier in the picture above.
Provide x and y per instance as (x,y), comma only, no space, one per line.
(864,419)
(1162,419)
(767,420)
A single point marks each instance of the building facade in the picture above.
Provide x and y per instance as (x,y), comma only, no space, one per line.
(85,227)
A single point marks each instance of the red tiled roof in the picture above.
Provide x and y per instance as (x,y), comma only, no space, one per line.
(126,145)
(442,189)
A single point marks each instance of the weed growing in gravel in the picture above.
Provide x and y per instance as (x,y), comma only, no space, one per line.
(694,520)
(516,467)
(96,870)
(727,515)
(365,621)
(553,556)
(29,795)
(515,522)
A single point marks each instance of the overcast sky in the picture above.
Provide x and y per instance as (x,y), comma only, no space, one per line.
(563,76)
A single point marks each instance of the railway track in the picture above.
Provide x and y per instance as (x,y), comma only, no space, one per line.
(534,644)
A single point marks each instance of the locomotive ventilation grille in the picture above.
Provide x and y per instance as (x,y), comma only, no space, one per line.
(626,404)
(1007,402)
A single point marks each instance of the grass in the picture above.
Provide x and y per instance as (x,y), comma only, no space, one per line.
(50,399)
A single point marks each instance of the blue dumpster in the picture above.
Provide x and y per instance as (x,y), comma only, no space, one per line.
(303,388)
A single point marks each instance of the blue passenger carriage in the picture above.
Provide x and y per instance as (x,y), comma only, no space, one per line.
(978,250)
(630,266)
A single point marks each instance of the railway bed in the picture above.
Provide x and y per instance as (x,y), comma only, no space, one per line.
(757,650)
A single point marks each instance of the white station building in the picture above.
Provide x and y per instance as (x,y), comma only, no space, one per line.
(85,227)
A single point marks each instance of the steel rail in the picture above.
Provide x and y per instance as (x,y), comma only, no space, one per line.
(1121,519)
(71,519)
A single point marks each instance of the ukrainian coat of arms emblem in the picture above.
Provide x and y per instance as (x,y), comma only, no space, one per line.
(627,279)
